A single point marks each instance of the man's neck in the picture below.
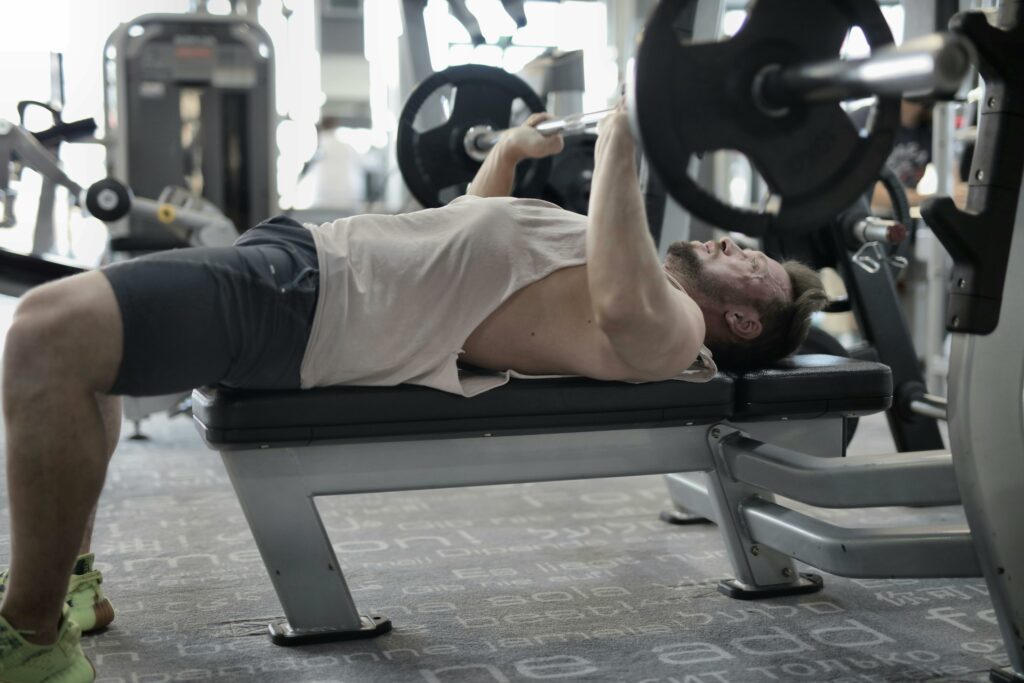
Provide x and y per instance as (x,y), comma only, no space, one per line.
(709,309)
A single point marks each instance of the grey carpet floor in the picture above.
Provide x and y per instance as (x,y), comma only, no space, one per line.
(557,581)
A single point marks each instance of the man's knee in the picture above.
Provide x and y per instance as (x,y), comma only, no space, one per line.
(67,331)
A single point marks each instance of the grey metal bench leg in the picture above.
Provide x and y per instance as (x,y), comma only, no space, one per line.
(277,499)
(689,490)
(689,494)
(761,572)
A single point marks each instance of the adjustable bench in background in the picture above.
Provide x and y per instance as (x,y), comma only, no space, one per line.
(751,435)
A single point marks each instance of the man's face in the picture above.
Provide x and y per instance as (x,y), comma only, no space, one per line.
(728,274)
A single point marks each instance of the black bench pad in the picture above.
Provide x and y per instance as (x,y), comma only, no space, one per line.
(805,386)
(233,417)
(811,386)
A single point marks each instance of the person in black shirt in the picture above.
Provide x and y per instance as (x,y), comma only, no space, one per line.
(911,153)
(912,146)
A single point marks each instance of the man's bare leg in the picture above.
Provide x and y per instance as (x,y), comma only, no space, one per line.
(63,351)
(110,407)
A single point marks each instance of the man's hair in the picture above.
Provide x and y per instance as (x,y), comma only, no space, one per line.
(785,324)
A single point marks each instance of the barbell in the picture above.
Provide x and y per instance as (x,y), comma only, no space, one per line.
(479,140)
(771,92)
(926,67)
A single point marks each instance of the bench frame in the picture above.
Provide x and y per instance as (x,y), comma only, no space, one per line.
(278,487)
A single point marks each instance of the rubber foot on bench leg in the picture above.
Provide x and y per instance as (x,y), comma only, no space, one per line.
(808,583)
(283,634)
(1004,676)
(682,517)
(137,435)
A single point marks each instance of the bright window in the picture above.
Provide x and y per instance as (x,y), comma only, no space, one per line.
(566,26)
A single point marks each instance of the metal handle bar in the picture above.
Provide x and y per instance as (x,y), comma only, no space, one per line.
(931,406)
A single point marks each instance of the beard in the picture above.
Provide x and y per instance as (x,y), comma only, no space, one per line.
(688,268)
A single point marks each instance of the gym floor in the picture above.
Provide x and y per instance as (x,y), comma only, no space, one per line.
(568,580)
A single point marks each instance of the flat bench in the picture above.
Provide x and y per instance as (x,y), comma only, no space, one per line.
(808,386)
(283,449)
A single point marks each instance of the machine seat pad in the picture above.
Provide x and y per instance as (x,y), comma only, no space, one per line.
(235,418)
(813,385)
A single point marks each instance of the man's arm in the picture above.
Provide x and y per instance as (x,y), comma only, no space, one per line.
(498,173)
(653,327)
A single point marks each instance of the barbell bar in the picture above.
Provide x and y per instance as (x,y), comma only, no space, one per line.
(931,66)
(481,139)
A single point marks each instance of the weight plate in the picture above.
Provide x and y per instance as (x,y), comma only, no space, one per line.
(688,98)
(434,162)
(571,172)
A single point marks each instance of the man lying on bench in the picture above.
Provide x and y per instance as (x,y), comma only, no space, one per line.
(503,284)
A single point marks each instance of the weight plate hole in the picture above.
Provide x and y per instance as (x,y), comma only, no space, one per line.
(436,110)
(449,193)
(745,190)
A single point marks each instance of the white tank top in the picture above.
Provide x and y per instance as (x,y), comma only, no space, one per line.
(399,295)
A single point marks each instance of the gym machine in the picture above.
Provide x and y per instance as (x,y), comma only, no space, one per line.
(189,99)
(183,216)
(60,131)
(20,272)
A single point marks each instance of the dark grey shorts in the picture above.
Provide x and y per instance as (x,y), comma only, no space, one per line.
(238,316)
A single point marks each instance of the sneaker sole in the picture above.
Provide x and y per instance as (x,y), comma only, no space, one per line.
(77,673)
(104,614)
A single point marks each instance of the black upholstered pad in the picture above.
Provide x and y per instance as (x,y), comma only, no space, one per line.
(228,417)
(813,385)
(799,387)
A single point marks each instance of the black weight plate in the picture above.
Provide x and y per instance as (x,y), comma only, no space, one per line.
(571,172)
(434,161)
(688,98)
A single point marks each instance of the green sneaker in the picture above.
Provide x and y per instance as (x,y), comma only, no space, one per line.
(90,609)
(62,662)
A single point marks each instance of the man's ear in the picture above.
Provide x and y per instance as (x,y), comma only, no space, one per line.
(744,322)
